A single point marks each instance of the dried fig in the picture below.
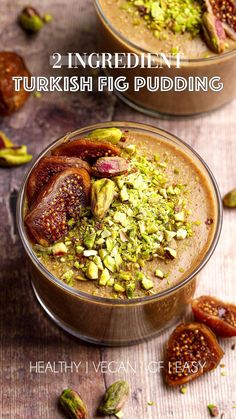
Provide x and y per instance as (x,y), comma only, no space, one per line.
(46,168)
(11,65)
(216,314)
(62,198)
(110,166)
(192,350)
(89,150)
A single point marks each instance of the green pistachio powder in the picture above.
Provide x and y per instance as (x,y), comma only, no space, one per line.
(146,219)
(177,16)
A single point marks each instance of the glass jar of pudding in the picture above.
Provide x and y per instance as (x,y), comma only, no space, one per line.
(122,32)
(93,313)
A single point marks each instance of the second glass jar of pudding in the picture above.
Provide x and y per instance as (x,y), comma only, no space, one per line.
(151,197)
(127,32)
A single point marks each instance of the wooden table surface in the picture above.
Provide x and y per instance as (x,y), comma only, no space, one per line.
(27,334)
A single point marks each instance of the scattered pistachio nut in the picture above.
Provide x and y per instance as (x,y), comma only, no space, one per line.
(229,199)
(73,405)
(47,18)
(119,288)
(89,240)
(115,398)
(213,410)
(213,32)
(68,277)
(113,135)
(147,284)
(5,142)
(30,20)
(59,249)
(183,389)
(10,154)
(159,273)
(92,271)
(177,16)
(102,195)
(14,156)
(170,253)
(105,276)
(130,149)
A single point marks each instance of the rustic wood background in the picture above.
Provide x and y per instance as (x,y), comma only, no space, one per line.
(27,334)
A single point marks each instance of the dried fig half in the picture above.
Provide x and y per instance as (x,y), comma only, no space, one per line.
(46,168)
(216,314)
(85,149)
(192,350)
(62,198)
(11,65)
(110,166)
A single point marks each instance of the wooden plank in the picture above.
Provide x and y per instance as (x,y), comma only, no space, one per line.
(27,335)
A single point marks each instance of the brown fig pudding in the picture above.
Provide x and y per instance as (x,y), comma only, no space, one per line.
(124,218)
(202,32)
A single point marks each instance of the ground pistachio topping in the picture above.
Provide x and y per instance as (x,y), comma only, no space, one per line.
(177,16)
(143,219)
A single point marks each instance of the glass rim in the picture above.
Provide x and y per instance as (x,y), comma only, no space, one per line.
(143,51)
(106,300)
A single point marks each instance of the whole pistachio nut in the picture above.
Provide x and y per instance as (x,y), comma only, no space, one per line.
(102,195)
(4,141)
(72,404)
(110,134)
(229,199)
(14,156)
(213,32)
(213,410)
(31,20)
(14,150)
(115,398)
(225,12)
(110,167)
